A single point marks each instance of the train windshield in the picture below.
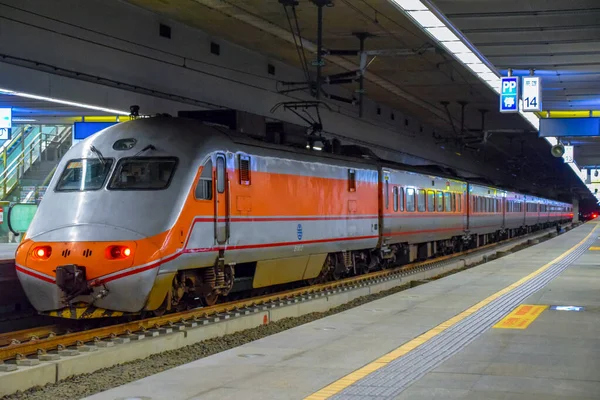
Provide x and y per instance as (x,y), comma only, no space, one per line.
(143,173)
(84,174)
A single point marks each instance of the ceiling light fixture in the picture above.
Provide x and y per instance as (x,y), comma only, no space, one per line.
(427,17)
(60,101)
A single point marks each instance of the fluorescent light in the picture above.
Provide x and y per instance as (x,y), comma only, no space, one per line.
(442,34)
(410,5)
(479,68)
(552,140)
(24,120)
(532,118)
(467,58)
(426,19)
(488,76)
(60,101)
(456,47)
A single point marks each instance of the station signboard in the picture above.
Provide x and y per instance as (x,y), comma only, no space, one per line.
(509,95)
(5,123)
(532,93)
(568,155)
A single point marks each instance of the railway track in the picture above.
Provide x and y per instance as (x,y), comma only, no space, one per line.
(19,346)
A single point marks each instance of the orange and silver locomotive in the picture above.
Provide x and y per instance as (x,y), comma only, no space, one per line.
(154,214)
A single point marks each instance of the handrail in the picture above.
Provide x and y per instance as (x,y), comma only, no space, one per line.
(28,154)
(9,224)
(29,147)
(18,132)
(20,164)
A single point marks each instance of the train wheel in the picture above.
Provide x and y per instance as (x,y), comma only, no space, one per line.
(210,299)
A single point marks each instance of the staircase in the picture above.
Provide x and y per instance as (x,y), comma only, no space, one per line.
(38,172)
(29,160)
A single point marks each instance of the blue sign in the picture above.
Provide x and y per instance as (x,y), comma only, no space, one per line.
(567,308)
(557,127)
(81,130)
(509,95)
(299,231)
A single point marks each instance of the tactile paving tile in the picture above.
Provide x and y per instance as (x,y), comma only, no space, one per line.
(392,379)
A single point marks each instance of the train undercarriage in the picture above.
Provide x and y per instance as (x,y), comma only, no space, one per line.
(222,282)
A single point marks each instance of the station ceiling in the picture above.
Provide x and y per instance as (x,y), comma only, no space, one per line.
(559,40)
(416,82)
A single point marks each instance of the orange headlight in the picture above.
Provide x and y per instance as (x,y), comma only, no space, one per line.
(42,252)
(117,252)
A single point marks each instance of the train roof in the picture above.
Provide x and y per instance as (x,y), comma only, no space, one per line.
(350,153)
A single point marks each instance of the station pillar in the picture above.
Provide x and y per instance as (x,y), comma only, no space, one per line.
(575,209)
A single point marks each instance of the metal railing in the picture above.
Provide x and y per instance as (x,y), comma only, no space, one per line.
(32,149)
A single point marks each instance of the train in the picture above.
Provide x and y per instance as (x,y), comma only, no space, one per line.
(160,214)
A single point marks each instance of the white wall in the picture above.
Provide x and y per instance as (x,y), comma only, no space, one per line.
(109,53)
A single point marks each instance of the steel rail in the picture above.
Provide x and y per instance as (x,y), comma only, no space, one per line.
(25,335)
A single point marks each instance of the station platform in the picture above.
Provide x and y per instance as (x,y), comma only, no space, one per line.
(524,326)
(7,252)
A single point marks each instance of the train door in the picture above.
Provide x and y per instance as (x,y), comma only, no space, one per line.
(385,203)
(221,200)
(466,208)
(503,205)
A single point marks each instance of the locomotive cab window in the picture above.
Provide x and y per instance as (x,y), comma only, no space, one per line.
(84,174)
(143,173)
(204,187)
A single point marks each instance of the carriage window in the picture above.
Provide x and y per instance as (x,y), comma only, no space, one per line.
(204,186)
(395,198)
(84,174)
(459,202)
(143,173)
(430,200)
(351,180)
(401,198)
(244,169)
(448,198)
(410,199)
(453,201)
(440,202)
(421,200)
(220,173)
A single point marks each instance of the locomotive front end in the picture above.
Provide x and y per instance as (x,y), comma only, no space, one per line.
(102,229)
(87,279)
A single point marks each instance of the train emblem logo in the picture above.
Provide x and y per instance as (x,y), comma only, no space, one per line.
(299,231)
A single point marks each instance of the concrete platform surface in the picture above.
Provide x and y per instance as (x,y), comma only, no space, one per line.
(7,251)
(433,341)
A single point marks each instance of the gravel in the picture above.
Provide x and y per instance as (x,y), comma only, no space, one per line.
(77,387)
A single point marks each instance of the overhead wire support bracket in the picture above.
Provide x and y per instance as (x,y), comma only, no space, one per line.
(293,106)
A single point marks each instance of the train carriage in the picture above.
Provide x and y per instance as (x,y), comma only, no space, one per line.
(152,214)
(420,208)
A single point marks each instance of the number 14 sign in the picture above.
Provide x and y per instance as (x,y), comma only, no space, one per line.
(531,93)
